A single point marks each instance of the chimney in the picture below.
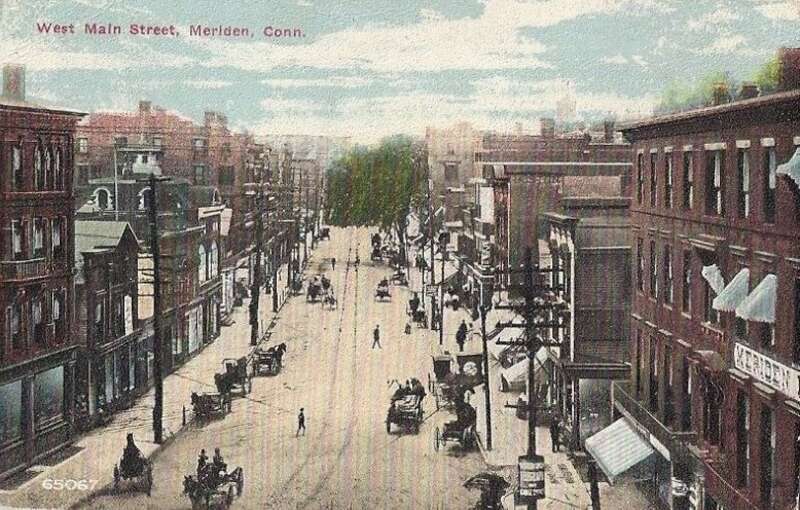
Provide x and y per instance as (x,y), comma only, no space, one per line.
(720,93)
(14,82)
(789,59)
(547,126)
(144,107)
(749,90)
(608,130)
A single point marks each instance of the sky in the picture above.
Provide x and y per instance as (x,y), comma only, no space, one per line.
(367,69)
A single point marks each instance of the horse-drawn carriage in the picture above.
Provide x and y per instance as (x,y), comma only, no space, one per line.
(325,233)
(234,378)
(460,430)
(405,407)
(138,471)
(206,405)
(399,277)
(375,255)
(314,292)
(382,292)
(268,361)
(330,301)
(211,485)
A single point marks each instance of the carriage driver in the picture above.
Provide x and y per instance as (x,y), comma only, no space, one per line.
(131,457)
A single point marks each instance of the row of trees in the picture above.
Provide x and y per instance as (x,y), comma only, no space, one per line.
(379,186)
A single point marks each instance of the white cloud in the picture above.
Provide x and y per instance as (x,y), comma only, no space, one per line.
(208,84)
(616,59)
(787,11)
(331,81)
(726,44)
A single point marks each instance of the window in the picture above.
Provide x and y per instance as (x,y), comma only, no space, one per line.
(102,199)
(18,239)
(213,258)
(715,182)
(38,168)
(796,346)
(37,319)
(451,174)
(767,456)
(639,178)
(653,270)
(743,168)
(686,290)
(58,170)
(667,268)
(742,440)
(58,312)
(14,314)
(83,145)
(120,141)
(202,264)
(48,395)
(766,332)
(200,174)
(118,317)
(99,321)
(667,379)
(640,265)
(668,183)
(770,183)
(56,233)
(711,315)
(226,176)
(653,374)
(145,199)
(711,417)
(198,143)
(688,180)
(157,141)
(38,237)
(47,182)
(16,166)
(653,178)
(686,402)
(638,361)
(11,417)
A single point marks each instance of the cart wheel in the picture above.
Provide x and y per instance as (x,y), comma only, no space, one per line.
(229,497)
(240,483)
(436,440)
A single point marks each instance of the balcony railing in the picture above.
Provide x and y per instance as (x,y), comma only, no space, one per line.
(23,269)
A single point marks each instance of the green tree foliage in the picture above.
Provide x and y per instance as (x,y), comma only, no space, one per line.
(378,186)
(688,95)
(768,75)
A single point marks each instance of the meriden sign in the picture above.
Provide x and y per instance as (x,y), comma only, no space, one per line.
(764,369)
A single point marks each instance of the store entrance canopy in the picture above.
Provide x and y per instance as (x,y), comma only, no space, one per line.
(617,448)
(759,306)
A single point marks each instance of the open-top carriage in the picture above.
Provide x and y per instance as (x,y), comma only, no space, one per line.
(207,405)
(460,430)
(268,361)
(235,378)
(314,292)
(382,291)
(138,471)
(405,407)
(212,487)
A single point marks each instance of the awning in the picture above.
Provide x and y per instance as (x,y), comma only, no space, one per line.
(734,293)
(791,168)
(503,335)
(617,448)
(713,276)
(518,373)
(225,221)
(759,305)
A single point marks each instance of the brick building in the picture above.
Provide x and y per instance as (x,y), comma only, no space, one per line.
(37,351)
(715,337)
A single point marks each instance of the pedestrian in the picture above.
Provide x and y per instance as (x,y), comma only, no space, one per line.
(594,490)
(358,260)
(301,423)
(202,459)
(555,429)
(376,337)
(461,335)
(333,263)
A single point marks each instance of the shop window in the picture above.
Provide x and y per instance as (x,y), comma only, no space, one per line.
(639,178)
(688,180)
(38,237)
(48,395)
(767,456)
(770,183)
(16,167)
(743,178)
(715,182)
(11,417)
(653,179)
(742,440)
(668,279)
(653,271)
(668,180)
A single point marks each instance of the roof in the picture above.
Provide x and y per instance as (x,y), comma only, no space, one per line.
(95,236)
(708,111)
(16,104)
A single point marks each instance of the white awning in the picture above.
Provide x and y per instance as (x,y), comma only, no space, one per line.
(518,373)
(791,168)
(713,276)
(734,293)
(503,335)
(759,305)
(617,448)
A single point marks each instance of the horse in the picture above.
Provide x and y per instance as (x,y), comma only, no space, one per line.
(329,300)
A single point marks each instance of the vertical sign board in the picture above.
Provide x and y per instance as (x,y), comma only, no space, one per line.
(530,480)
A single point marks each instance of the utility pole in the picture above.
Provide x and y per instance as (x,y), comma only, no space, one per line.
(158,406)
(486,385)
(442,249)
(432,269)
(255,289)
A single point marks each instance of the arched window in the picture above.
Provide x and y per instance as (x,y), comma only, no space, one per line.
(38,177)
(102,199)
(214,260)
(202,265)
(47,167)
(145,199)
(58,171)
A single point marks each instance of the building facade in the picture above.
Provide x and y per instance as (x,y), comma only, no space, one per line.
(37,351)
(715,329)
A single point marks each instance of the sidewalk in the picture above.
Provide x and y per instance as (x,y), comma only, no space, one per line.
(99,450)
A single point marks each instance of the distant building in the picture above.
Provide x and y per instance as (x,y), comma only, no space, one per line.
(37,347)
(451,154)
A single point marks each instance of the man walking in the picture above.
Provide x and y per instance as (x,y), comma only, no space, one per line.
(376,337)
(333,263)
(461,335)
(555,430)
(301,423)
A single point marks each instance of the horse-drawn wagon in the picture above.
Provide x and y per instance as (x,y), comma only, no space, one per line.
(405,407)
(268,361)
(382,291)
(213,488)
(235,378)
(207,405)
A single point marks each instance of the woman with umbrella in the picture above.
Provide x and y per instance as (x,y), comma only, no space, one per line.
(492,487)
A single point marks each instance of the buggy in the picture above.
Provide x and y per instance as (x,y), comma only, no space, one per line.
(234,378)
(383,291)
(399,278)
(314,292)
(206,405)
(208,486)
(268,362)
(405,408)
(325,233)
(140,474)
(461,430)
(375,255)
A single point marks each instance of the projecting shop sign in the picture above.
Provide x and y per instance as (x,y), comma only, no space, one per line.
(766,370)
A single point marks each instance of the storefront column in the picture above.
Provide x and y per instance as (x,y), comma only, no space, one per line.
(27,418)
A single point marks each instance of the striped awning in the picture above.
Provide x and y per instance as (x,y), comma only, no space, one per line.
(759,305)
(733,293)
(713,276)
